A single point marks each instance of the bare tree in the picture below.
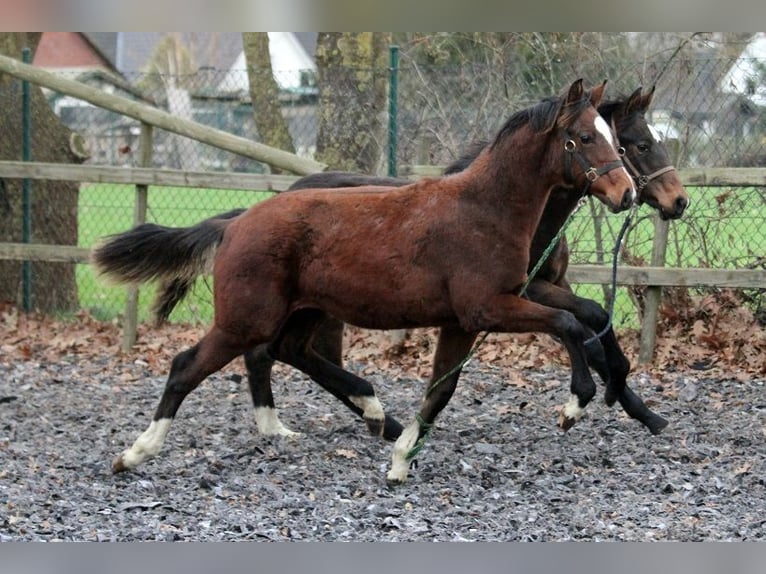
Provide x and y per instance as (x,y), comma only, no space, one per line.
(169,73)
(352,71)
(264,93)
(54,203)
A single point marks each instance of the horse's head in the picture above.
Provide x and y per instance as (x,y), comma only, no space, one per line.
(645,155)
(590,151)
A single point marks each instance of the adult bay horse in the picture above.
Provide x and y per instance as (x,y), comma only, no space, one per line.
(657,184)
(444,252)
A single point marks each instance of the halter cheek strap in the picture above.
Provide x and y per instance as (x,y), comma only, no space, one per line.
(642,180)
(591,173)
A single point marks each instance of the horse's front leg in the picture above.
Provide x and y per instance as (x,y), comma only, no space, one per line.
(453,346)
(511,314)
(606,355)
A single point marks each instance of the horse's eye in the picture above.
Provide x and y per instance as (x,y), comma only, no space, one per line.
(586,138)
(643,147)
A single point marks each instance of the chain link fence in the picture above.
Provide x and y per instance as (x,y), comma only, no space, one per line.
(703,103)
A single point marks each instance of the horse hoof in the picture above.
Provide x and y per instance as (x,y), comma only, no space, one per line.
(375,426)
(392,429)
(392,481)
(659,426)
(565,422)
(118,465)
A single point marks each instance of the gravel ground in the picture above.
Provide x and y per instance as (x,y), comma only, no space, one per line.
(495,468)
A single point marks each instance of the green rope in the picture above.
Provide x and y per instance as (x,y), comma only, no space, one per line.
(530,277)
(425,428)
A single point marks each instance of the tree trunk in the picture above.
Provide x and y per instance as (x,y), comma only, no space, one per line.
(264,93)
(353,75)
(54,203)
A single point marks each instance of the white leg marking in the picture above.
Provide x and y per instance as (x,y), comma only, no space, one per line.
(148,444)
(267,420)
(370,405)
(572,409)
(399,463)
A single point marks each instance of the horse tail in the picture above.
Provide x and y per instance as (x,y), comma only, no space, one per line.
(175,256)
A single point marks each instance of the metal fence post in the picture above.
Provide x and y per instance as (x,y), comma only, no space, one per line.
(26,185)
(654,293)
(139,216)
(393,89)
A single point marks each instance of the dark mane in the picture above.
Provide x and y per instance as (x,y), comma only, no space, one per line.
(542,116)
(608,108)
(466,159)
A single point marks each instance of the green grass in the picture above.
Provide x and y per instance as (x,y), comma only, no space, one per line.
(718,230)
(105,209)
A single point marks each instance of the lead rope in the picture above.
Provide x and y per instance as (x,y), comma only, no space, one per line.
(424,427)
(548,250)
(615,257)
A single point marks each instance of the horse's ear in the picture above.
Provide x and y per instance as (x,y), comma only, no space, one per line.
(597,93)
(648,98)
(634,101)
(576,92)
(638,102)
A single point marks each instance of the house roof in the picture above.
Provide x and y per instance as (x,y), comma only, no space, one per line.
(288,60)
(71,51)
(216,50)
(212,50)
(105,43)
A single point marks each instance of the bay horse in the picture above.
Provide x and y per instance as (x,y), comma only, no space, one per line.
(445,252)
(657,184)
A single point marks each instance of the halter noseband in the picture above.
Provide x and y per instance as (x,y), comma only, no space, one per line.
(641,180)
(591,173)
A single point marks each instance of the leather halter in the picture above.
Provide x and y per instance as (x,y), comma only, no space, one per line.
(641,180)
(591,173)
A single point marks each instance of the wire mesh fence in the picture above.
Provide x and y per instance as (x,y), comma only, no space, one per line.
(718,120)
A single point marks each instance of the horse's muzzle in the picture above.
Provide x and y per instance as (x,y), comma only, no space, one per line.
(627,198)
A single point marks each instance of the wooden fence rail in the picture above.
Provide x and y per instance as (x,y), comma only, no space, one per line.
(651,276)
(142,177)
(161,119)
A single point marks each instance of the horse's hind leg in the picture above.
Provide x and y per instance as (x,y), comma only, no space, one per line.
(297,345)
(453,346)
(259,364)
(189,369)
(328,341)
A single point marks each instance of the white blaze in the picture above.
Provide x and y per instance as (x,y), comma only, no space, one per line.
(655,134)
(603,128)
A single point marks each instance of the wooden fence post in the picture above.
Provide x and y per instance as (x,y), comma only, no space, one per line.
(653,297)
(139,216)
(653,294)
